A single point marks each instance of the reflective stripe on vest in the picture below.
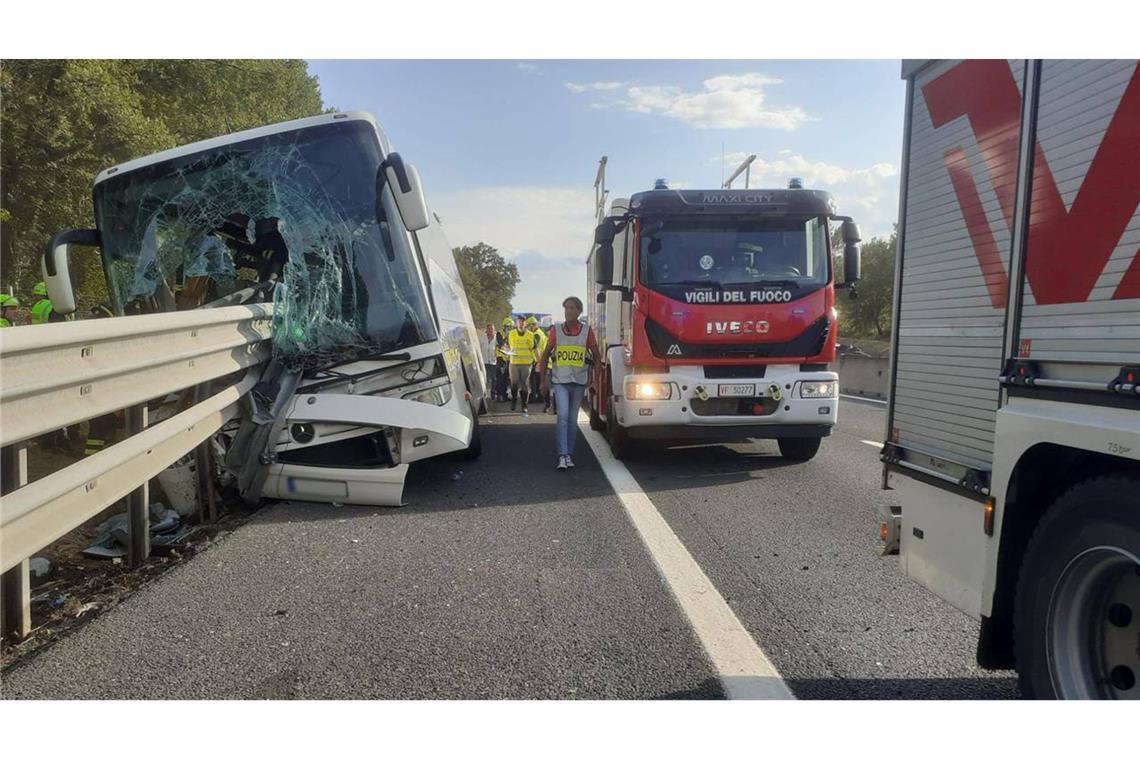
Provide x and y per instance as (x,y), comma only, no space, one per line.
(570,357)
(522,347)
(41,312)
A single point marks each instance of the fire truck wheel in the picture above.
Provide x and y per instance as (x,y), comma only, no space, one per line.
(595,420)
(1076,617)
(621,445)
(798,449)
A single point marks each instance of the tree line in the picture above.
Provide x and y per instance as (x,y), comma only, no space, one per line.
(63,121)
(869,315)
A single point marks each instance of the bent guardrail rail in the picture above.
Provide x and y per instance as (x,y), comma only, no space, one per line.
(56,375)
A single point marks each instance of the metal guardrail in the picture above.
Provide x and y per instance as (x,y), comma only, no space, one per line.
(56,375)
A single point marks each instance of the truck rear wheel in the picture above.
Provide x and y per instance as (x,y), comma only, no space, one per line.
(798,449)
(1077,609)
(621,445)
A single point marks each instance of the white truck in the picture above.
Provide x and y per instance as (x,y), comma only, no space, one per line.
(376,360)
(1013,427)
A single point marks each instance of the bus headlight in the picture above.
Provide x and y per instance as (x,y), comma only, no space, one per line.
(817,389)
(644,391)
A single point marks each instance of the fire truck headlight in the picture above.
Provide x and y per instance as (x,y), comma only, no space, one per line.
(817,389)
(649,391)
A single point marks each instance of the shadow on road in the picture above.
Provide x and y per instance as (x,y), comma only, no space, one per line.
(874,688)
(517,468)
(904,688)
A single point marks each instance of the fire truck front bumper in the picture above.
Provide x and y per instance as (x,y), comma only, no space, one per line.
(683,403)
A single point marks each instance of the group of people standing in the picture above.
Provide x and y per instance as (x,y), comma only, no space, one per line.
(41,312)
(554,366)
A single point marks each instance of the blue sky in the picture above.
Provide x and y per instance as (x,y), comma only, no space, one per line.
(507,150)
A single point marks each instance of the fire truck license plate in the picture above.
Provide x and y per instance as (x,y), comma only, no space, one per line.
(741,389)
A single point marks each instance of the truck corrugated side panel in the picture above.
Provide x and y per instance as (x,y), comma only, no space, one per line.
(1092,317)
(950,332)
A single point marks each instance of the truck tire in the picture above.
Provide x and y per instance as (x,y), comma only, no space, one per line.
(621,445)
(1076,615)
(798,449)
(595,420)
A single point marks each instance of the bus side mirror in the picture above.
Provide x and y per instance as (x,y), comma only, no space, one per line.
(405,183)
(56,266)
(604,264)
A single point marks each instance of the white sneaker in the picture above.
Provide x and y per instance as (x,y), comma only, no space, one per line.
(562,463)
(569,461)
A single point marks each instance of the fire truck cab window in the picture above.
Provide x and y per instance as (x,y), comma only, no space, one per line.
(736,253)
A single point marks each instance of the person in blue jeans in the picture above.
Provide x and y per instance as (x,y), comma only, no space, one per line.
(571,348)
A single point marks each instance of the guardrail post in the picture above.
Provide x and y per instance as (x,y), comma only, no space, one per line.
(15,586)
(204,464)
(138,501)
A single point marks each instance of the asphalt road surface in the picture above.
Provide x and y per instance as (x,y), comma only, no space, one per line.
(504,578)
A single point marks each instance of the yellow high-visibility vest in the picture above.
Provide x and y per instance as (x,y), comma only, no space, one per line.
(522,346)
(542,341)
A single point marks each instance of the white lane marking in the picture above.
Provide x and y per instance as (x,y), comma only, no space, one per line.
(876,444)
(863,398)
(742,667)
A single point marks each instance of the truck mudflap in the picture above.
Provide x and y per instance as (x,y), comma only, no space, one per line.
(379,486)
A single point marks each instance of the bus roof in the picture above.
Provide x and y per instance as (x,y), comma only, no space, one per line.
(248,134)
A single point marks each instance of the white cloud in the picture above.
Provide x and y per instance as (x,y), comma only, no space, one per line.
(529,68)
(729,101)
(545,231)
(867,193)
(594,86)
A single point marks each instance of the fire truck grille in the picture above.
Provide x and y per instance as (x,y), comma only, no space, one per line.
(734,407)
(808,343)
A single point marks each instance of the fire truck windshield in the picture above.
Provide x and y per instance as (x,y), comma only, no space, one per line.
(680,255)
(295,208)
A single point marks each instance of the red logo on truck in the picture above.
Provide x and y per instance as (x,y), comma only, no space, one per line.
(986,93)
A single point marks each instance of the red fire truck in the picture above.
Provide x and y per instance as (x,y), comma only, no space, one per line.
(715,315)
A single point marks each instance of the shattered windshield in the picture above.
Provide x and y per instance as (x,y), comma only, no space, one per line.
(678,255)
(295,212)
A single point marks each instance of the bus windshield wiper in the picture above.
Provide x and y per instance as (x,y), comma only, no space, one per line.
(401,356)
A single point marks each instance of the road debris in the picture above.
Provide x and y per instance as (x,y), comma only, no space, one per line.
(39,568)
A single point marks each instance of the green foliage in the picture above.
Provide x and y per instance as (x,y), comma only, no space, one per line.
(869,315)
(63,121)
(489,280)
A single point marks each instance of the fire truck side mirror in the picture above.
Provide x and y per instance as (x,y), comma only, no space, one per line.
(851,232)
(604,264)
(56,266)
(604,233)
(851,263)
